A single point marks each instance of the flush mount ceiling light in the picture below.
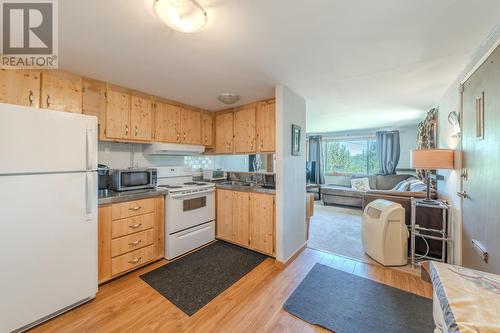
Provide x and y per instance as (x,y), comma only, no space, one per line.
(228,98)
(181,15)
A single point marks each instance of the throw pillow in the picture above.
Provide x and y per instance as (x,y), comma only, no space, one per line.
(402,186)
(360,184)
(418,186)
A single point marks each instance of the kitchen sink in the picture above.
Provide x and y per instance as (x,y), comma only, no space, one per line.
(236,183)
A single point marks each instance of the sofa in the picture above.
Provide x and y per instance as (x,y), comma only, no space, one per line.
(339,191)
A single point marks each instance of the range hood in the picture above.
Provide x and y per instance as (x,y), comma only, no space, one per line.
(173,149)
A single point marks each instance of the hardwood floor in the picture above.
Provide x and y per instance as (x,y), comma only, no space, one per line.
(253,304)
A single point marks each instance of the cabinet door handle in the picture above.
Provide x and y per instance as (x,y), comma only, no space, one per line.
(463,195)
(126,129)
(135,226)
(48,100)
(136,130)
(135,261)
(31,98)
(135,243)
(136,208)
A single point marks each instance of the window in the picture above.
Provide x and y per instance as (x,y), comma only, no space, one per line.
(357,156)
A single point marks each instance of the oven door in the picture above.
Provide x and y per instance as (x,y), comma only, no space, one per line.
(185,211)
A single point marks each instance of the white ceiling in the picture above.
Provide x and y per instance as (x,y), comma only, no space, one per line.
(359,63)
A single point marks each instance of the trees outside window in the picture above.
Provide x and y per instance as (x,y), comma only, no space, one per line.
(354,156)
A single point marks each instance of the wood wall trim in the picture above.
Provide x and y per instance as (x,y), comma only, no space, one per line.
(282,265)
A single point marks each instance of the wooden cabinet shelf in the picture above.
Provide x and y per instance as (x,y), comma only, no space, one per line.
(125,115)
(21,87)
(247,129)
(246,219)
(130,235)
(61,91)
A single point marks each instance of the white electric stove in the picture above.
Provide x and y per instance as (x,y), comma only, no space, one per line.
(189,210)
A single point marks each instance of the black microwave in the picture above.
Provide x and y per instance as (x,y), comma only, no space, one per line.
(133,179)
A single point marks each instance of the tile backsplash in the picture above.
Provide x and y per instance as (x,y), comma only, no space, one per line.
(130,155)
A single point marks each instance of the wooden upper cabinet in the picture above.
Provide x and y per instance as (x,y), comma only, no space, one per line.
(93,98)
(94,101)
(224,214)
(191,126)
(61,91)
(241,217)
(167,123)
(244,131)
(262,214)
(207,129)
(117,114)
(266,127)
(224,133)
(141,118)
(21,87)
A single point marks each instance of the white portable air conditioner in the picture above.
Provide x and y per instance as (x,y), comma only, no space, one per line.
(384,233)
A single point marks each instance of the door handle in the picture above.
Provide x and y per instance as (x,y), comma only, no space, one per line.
(31,98)
(135,261)
(48,100)
(89,149)
(463,195)
(89,193)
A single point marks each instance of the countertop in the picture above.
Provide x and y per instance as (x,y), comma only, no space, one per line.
(242,188)
(115,197)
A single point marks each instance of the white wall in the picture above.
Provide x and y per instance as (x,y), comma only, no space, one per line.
(450,101)
(290,175)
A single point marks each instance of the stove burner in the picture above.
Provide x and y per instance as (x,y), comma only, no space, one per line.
(170,186)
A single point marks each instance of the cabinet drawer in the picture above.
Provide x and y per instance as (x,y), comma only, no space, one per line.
(132,225)
(131,242)
(132,208)
(130,260)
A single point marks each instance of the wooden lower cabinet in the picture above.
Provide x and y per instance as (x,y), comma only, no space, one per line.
(262,222)
(130,234)
(246,219)
(241,218)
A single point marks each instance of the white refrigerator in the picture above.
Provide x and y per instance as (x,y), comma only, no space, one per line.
(48,214)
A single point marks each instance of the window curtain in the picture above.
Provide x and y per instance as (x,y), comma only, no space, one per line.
(316,155)
(388,150)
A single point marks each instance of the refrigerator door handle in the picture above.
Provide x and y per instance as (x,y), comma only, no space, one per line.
(90,150)
(90,194)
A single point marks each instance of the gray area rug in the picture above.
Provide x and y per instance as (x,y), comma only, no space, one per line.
(193,281)
(346,303)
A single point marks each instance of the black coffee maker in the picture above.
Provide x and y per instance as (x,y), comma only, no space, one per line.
(103,174)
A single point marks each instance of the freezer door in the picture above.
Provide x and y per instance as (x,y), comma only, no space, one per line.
(38,141)
(48,245)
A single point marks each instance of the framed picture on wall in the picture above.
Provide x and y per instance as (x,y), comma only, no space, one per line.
(296,137)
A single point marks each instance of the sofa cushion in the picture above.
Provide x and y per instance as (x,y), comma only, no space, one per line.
(360,184)
(339,180)
(372,180)
(388,182)
(341,191)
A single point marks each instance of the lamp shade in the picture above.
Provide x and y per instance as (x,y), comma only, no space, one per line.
(433,159)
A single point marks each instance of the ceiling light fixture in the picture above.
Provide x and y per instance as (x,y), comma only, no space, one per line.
(228,98)
(181,15)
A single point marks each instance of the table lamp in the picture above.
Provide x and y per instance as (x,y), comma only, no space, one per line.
(432,159)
